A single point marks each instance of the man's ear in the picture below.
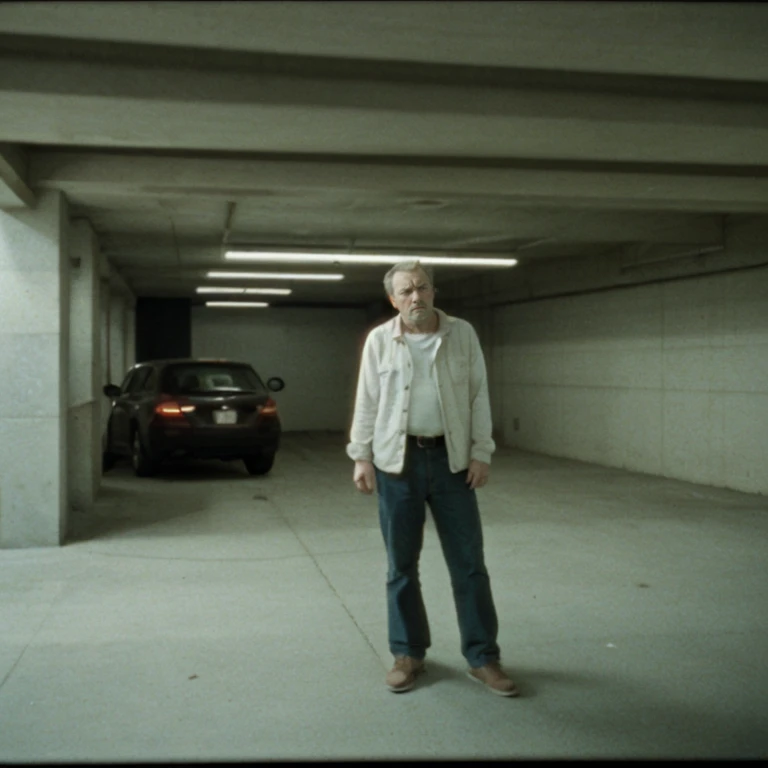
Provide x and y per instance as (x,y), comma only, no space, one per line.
(392,302)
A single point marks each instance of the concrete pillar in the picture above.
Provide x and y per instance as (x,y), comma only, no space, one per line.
(34,357)
(129,340)
(84,439)
(106,372)
(116,332)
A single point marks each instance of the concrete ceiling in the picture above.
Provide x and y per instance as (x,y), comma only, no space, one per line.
(550,130)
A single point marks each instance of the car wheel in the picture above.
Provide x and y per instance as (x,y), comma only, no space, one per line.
(143,465)
(260,464)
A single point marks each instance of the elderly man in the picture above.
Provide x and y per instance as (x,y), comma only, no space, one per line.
(421,434)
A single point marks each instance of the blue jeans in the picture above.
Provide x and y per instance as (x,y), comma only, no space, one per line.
(427,479)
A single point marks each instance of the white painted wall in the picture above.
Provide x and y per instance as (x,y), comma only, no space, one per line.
(315,351)
(668,379)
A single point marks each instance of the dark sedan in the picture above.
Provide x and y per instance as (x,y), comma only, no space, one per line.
(208,409)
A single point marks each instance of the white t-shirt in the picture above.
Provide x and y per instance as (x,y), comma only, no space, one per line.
(424,416)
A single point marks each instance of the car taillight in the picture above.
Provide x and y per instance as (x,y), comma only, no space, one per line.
(172,408)
(269,408)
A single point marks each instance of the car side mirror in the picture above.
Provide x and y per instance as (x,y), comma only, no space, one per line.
(111,390)
(275,384)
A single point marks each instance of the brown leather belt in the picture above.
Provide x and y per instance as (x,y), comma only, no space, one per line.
(427,442)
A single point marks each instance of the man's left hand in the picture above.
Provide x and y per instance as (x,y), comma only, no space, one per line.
(477,475)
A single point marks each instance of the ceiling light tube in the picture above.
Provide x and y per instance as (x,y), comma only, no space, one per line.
(269,291)
(275,276)
(236,304)
(366,258)
(216,289)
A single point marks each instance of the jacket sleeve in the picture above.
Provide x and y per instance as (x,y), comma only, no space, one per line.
(481,425)
(360,447)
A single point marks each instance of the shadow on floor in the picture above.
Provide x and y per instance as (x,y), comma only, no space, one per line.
(126,502)
(189,470)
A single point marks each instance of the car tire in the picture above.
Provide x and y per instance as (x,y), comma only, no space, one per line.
(259,464)
(143,465)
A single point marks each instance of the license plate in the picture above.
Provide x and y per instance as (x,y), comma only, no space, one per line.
(225,417)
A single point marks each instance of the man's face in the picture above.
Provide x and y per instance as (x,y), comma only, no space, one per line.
(413,297)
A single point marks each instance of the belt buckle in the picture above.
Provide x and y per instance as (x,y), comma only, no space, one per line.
(425,442)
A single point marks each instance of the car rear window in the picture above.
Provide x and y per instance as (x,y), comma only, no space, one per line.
(191,378)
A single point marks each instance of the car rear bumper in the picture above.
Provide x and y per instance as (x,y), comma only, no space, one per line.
(216,442)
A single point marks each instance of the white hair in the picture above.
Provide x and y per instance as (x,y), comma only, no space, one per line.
(407,266)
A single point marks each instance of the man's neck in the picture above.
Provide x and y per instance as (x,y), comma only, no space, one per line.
(430,325)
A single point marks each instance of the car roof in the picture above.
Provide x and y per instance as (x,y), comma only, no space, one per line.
(190,360)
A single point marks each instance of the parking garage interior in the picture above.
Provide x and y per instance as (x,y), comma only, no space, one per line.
(618,152)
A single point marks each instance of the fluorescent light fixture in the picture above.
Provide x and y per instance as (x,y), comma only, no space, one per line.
(274,276)
(366,258)
(269,291)
(236,304)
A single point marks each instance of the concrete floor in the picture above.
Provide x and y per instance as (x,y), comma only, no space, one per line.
(208,615)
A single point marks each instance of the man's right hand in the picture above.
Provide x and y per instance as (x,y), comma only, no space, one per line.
(364,477)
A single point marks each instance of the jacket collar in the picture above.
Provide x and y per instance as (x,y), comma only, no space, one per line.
(443,328)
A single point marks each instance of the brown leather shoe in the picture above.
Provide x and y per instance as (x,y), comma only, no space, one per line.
(403,675)
(492,676)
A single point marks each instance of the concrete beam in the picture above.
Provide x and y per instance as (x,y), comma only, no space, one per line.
(14,192)
(708,40)
(742,248)
(239,179)
(63,100)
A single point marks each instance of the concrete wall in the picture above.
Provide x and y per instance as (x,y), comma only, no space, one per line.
(85,364)
(668,379)
(104,304)
(657,364)
(315,351)
(116,330)
(129,335)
